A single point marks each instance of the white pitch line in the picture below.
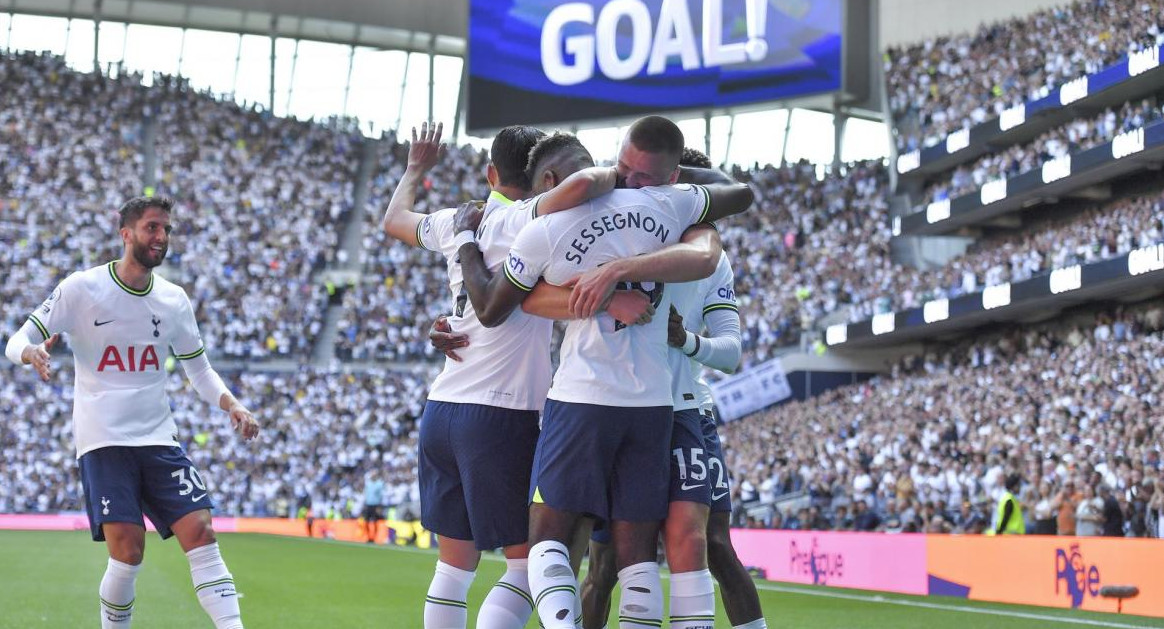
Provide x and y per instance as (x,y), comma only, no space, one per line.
(867,598)
(864,598)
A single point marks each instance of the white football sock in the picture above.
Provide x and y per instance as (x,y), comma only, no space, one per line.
(117,594)
(552,583)
(692,600)
(214,586)
(642,596)
(508,604)
(444,606)
(758,623)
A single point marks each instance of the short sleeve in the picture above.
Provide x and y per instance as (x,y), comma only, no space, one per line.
(528,257)
(690,203)
(721,292)
(187,341)
(435,231)
(58,312)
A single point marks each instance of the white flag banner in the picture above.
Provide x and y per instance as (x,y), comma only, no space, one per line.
(752,390)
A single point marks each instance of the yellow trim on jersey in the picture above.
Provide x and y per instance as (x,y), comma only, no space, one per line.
(537,497)
(125,287)
(39,326)
(516,283)
(500,198)
(706,203)
(195,354)
(712,307)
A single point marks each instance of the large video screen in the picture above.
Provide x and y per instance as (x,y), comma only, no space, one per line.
(543,61)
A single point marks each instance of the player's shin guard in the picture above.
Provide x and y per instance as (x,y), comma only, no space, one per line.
(117,595)
(552,583)
(692,600)
(214,586)
(642,596)
(509,604)
(444,606)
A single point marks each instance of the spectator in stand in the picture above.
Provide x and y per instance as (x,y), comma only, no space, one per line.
(1044,512)
(1089,514)
(1113,513)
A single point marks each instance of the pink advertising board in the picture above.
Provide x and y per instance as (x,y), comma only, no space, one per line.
(869,561)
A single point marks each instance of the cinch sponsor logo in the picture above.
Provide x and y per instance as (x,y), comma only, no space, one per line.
(1141,62)
(821,565)
(1073,91)
(1077,579)
(909,161)
(516,264)
(1128,143)
(726,293)
(938,211)
(837,334)
(957,141)
(1068,279)
(112,359)
(1012,117)
(570,59)
(1146,259)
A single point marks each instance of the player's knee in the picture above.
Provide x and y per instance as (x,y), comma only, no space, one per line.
(128,554)
(720,553)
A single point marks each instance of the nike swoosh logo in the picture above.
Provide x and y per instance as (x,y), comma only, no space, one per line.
(196,499)
(720,496)
(686,487)
(101,323)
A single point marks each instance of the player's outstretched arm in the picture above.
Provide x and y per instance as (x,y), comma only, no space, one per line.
(553,302)
(727,199)
(721,349)
(21,350)
(582,186)
(694,258)
(400,220)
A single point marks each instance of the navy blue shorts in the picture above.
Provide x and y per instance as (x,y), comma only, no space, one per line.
(691,475)
(605,461)
(721,491)
(122,483)
(474,467)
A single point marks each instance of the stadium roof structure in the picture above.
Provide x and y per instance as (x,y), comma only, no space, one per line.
(417,26)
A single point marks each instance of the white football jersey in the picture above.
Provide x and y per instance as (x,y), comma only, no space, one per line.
(694,300)
(120,339)
(507,366)
(602,361)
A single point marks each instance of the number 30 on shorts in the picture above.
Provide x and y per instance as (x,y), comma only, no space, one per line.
(187,484)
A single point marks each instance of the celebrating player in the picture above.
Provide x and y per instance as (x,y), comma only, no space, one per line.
(480,424)
(604,448)
(121,318)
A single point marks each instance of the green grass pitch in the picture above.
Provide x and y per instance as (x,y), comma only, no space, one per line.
(50,580)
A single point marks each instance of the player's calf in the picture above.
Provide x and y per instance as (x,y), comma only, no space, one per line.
(740,599)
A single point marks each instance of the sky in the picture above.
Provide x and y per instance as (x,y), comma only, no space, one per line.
(311,76)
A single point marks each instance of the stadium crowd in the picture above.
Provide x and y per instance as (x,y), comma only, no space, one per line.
(954,82)
(1071,138)
(1073,409)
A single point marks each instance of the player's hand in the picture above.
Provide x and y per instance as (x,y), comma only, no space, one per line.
(243,422)
(676,333)
(443,338)
(592,290)
(426,149)
(468,216)
(38,357)
(631,307)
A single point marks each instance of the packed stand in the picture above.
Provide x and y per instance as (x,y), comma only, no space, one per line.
(387,316)
(950,83)
(793,252)
(1099,233)
(1071,138)
(321,433)
(260,204)
(1074,410)
(69,156)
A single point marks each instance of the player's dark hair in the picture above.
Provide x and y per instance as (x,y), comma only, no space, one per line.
(510,153)
(554,150)
(132,209)
(694,158)
(656,134)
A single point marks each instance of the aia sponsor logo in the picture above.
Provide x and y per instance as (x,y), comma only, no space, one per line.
(131,359)
(821,565)
(1074,577)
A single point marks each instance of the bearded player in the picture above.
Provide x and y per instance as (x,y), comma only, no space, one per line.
(121,319)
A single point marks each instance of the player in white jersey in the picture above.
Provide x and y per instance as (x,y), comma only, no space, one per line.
(480,424)
(603,450)
(122,319)
(697,529)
